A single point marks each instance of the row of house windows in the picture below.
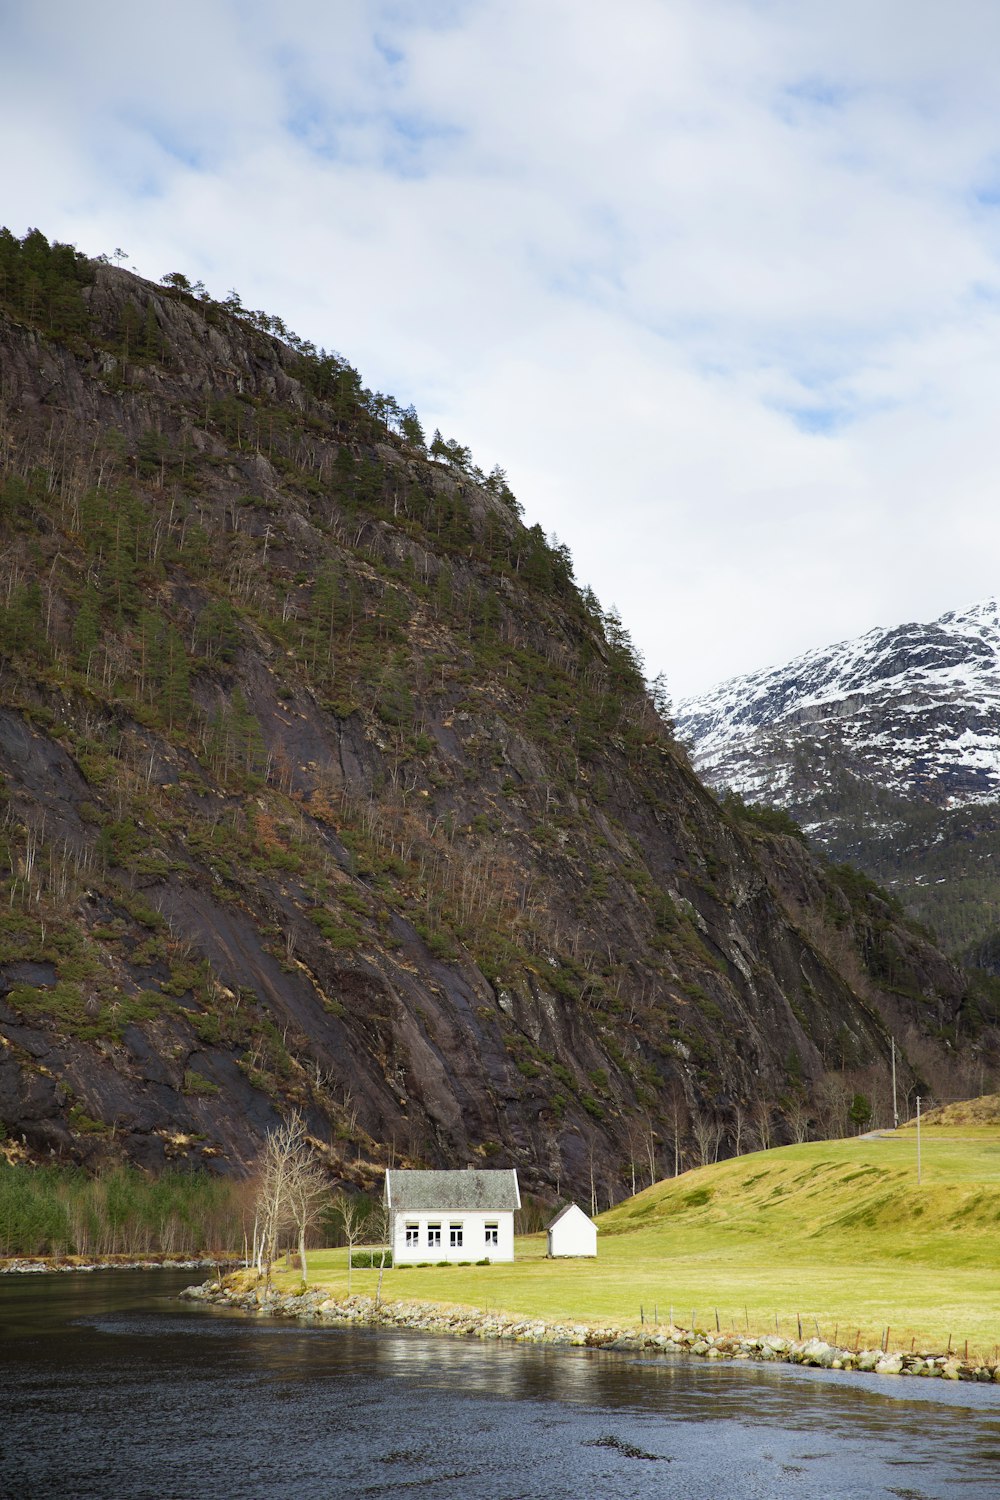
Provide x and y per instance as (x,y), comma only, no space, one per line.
(455,1232)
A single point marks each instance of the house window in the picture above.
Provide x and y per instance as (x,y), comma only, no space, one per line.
(455,1236)
(412,1236)
(493,1234)
(434,1236)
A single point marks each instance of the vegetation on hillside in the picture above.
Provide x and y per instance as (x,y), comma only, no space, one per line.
(110,626)
(43,283)
(760,815)
(274,664)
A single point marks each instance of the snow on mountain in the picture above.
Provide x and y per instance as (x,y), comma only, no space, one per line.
(914,710)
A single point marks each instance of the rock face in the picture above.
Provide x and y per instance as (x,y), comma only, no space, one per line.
(324,786)
(887,750)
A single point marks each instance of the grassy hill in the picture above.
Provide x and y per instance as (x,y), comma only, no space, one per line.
(984,1111)
(836,1233)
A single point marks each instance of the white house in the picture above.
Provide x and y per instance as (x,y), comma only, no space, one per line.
(572,1233)
(462,1215)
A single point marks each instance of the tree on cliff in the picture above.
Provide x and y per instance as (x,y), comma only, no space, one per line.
(411,429)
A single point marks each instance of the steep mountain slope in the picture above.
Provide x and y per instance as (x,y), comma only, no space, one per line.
(887,749)
(324,784)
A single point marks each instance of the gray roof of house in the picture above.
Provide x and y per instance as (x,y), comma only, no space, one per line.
(570,1208)
(411,1191)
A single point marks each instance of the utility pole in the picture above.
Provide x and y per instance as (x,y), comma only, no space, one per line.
(918,1140)
(895,1107)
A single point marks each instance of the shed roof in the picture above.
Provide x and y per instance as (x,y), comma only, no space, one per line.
(571,1208)
(411,1191)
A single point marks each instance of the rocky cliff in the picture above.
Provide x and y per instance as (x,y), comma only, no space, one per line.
(325,786)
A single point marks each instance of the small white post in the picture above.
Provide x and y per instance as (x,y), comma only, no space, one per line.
(895,1106)
(918,1140)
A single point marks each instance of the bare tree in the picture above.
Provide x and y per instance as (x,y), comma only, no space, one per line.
(593,1182)
(763,1122)
(742,1131)
(798,1115)
(380,1222)
(833,1099)
(707,1132)
(290,1189)
(270,1206)
(650,1141)
(307,1190)
(635,1147)
(880,1093)
(353,1222)
(676,1110)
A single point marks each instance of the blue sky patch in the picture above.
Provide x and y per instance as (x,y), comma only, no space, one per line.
(823,93)
(819,420)
(172,143)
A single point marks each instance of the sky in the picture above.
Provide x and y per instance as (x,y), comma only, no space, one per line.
(717,282)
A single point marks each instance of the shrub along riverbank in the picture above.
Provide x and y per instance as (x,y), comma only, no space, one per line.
(60,1211)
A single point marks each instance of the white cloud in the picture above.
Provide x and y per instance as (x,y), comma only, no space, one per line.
(634,254)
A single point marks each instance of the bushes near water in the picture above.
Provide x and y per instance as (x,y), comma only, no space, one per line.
(63,1211)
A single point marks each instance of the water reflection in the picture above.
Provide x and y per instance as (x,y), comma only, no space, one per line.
(140,1396)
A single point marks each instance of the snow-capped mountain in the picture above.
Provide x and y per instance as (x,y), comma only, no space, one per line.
(913,711)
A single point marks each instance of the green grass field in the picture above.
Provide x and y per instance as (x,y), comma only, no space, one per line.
(836,1233)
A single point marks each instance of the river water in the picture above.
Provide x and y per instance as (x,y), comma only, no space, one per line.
(112,1389)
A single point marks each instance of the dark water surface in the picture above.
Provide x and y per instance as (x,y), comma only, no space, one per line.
(110,1389)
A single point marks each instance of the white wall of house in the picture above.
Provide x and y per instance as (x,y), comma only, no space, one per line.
(573,1234)
(481,1235)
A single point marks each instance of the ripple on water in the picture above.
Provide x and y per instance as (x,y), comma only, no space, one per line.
(142,1398)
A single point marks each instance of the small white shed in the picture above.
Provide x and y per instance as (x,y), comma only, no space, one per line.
(572,1233)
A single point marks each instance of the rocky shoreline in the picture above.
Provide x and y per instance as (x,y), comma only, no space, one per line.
(317,1306)
(27,1265)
